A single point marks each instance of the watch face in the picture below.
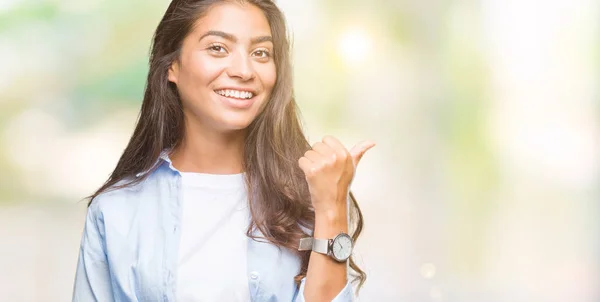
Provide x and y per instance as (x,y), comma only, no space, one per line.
(342,247)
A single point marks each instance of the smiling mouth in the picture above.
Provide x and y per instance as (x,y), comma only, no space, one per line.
(235,94)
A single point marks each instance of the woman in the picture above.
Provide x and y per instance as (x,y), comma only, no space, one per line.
(218,185)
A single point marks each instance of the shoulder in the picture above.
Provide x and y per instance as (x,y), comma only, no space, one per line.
(119,198)
(131,194)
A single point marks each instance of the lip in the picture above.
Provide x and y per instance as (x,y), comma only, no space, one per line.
(237,103)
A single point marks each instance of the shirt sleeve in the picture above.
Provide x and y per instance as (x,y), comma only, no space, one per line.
(345,295)
(92,277)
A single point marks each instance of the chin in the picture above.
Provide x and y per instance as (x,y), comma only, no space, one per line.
(236,124)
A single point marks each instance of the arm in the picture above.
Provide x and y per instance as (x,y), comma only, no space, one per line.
(92,278)
(326,279)
(329,169)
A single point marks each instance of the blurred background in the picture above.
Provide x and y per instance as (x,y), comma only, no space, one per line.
(484,185)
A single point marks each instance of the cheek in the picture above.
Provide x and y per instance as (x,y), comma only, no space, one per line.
(268,76)
(199,71)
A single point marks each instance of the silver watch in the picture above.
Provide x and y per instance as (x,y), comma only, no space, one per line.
(338,248)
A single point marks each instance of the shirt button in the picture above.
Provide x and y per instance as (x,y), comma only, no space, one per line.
(254,275)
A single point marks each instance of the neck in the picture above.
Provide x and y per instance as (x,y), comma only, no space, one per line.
(209,151)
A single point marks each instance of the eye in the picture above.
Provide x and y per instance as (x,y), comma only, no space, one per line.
(262,53)
(216,48)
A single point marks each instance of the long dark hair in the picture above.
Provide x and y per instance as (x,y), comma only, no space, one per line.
(279,197)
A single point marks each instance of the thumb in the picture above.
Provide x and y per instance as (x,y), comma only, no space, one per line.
(359,150)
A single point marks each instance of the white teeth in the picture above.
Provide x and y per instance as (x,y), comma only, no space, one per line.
(235,93)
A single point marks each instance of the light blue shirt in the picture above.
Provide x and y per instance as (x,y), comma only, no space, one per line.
(129,248)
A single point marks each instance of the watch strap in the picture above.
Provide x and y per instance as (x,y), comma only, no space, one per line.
(316,245)
(320,246)
(305,244)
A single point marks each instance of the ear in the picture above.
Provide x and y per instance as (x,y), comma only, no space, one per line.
(173,72)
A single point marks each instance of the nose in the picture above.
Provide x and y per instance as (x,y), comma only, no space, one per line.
(241,67)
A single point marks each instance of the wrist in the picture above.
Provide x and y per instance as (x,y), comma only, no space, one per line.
(329,223)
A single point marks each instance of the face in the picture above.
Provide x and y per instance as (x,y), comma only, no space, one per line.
(226,71)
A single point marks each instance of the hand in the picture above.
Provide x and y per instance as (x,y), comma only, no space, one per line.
(329,169)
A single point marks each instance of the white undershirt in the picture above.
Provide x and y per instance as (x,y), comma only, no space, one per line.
(212,252)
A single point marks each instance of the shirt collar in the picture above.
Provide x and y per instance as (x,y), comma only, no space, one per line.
(163,158)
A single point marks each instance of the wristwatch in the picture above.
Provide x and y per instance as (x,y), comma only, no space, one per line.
(339,248)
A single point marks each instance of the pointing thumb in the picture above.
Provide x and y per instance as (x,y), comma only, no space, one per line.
(359,150)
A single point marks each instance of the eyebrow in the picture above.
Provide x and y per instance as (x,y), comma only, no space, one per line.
(233,38)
